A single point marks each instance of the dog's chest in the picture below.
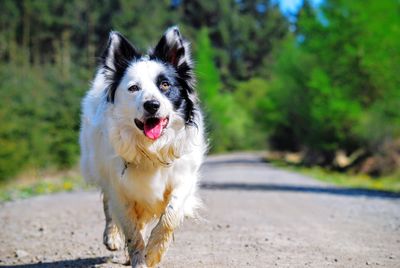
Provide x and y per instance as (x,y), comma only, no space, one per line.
(146,186)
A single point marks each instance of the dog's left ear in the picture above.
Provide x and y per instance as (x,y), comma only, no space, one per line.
(172,48)
(175,50)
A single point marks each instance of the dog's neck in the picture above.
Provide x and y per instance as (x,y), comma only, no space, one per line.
(134,148)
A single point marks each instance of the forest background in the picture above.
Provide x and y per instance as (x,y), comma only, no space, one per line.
(322,82)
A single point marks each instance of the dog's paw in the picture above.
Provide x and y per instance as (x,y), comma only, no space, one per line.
(137,260)
(136,265)
(153,260)
(155,251)
(112,238)
(140,265)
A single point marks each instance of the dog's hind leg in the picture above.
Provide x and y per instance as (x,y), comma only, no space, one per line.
(112,238)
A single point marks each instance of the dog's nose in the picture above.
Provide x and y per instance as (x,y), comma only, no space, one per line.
(151,106)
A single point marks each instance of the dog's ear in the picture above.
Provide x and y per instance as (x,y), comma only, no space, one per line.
(115,59)
(172,48)
(175,50)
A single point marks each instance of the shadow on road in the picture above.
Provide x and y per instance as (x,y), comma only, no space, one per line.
(234,161)
(82,263)
(353,192)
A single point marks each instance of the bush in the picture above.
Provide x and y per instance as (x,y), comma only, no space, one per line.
(249,95)
(39,114)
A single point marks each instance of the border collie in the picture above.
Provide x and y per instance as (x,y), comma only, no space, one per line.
(142,142)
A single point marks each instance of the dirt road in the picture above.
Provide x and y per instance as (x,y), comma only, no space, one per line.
(257,216)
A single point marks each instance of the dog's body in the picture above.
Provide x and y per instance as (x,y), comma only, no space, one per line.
(142,143)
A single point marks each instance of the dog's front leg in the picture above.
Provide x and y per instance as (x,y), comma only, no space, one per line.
(133,238)
(161,234)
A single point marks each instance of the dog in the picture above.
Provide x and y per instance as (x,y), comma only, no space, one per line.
(142,142)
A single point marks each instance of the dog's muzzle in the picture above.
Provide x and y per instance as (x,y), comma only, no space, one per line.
(152,127)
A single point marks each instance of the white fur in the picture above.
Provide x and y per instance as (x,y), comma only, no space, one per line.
(110,140)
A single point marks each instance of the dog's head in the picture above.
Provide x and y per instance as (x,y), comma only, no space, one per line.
(151,92)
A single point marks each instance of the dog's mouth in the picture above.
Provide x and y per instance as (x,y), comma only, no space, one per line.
(152,127)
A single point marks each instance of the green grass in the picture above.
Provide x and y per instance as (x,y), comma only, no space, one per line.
(19,189)
(388,183)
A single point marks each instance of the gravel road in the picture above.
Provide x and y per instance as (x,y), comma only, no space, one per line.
(256,216)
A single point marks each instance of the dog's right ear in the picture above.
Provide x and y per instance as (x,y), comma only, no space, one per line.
(115,59)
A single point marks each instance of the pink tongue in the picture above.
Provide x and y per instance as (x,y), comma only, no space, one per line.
(153,128)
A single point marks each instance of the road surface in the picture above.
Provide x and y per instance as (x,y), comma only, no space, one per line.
(256,216)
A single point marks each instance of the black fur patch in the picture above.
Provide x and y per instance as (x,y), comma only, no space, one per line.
(182,70)
(179,92)
(167,53)
(175,92)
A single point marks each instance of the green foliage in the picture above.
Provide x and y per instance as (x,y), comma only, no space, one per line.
(40,118)
(331,84)
(142,29)
(334,85)
(250,96)
(227,122)
(285,110)
(243,34)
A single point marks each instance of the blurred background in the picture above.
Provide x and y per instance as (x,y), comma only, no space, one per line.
(313,83)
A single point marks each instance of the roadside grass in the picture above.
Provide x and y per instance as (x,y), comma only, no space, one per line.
(386,183)
(25,187)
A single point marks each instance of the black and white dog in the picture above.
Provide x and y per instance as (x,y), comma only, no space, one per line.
(142,142)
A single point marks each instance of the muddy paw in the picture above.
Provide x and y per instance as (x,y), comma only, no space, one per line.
(112,238)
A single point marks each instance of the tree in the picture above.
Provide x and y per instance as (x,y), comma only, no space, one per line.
(226,121)
(334,81)
(243,34)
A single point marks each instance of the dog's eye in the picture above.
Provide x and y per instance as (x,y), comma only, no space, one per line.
(165,85)
(133,88)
